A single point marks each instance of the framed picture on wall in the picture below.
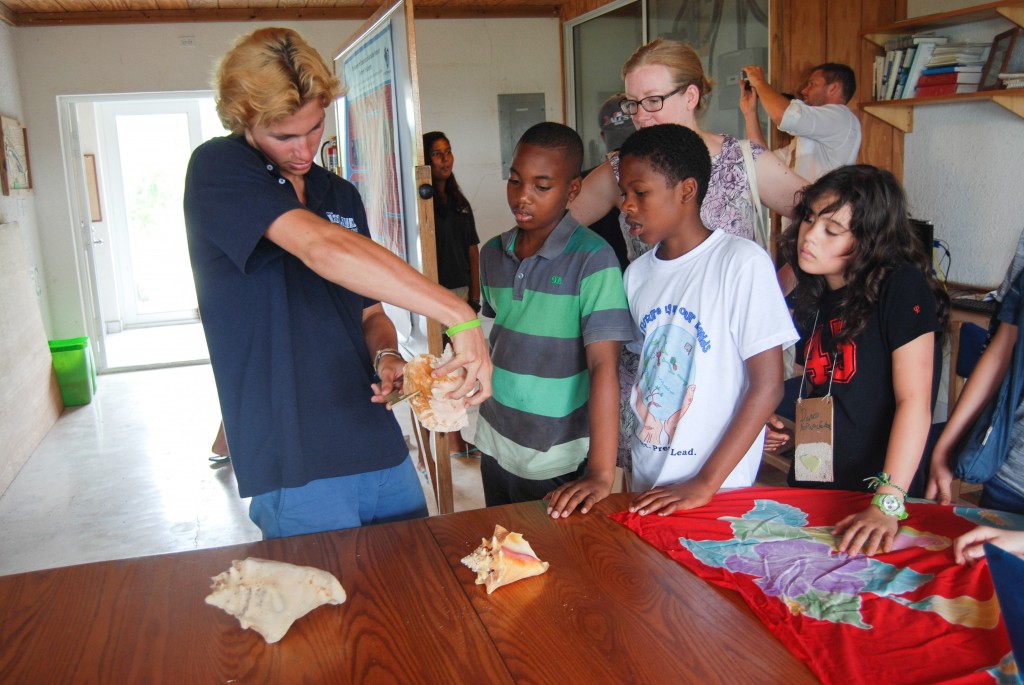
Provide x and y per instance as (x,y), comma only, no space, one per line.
(1005,57)
(15,176)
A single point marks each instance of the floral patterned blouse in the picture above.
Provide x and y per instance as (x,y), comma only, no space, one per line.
(727,204)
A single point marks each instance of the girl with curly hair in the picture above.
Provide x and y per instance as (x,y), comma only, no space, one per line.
(872,315)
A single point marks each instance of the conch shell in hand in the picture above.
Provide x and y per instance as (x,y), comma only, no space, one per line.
(268,596)
(432,407)
(506,559)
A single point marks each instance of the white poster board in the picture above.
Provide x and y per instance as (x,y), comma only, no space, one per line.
(379,142)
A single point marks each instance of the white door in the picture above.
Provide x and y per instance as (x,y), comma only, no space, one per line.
(147,146)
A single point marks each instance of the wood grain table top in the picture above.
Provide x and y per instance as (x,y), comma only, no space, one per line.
(611,609)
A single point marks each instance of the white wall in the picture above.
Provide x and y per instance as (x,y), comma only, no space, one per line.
(463,64)
(962,170)
(19,208)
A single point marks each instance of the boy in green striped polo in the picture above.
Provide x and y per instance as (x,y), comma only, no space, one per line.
(560,315)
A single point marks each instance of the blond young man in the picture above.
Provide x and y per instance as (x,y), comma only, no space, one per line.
(290,286)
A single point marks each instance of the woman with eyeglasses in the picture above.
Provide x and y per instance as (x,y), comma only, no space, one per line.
(665,84)
(458,257)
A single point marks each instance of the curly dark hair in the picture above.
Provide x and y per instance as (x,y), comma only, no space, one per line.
(675,152)
(883,240)
(453,197)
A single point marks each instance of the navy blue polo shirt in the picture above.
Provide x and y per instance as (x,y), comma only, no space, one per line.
(290,362)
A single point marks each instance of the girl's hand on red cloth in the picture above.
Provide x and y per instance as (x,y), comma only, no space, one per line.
(869,530)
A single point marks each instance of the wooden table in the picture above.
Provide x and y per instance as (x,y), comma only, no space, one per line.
(611,609)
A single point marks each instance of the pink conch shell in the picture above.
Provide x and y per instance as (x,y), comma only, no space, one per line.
(506,559)
(432,407)
(268,596)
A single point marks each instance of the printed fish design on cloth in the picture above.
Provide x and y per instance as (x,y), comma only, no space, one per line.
(852,619)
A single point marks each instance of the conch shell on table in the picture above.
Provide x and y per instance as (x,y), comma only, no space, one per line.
(506,559)
(268,596)
(433,409)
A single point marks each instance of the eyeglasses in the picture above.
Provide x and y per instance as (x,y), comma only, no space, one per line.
(653,103)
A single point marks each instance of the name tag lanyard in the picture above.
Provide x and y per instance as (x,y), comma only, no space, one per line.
(812,454)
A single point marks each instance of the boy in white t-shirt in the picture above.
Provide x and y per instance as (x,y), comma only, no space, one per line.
(712,325)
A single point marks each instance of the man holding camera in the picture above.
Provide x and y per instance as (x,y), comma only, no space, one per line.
(826,133)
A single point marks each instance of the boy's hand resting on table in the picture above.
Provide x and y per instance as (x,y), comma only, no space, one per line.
(869,530)
(583,492)
(669,498)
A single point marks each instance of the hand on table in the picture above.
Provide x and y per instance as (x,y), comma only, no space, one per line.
(670,498)
(869,530)
(583,492)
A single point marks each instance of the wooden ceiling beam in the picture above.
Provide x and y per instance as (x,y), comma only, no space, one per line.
(190,16)
(485,11)
(446,11)
(7,16)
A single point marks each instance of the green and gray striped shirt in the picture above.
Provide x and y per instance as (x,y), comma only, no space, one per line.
(546,309)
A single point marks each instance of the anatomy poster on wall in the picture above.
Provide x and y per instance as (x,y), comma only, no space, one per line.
(372,151)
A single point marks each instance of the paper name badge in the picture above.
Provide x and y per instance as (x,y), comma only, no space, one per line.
(812,456)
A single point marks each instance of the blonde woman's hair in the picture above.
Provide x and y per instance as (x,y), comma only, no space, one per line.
(270,74)
(679,58)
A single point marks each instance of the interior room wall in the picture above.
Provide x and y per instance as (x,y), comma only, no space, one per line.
(464,65)
(962,172)
(459,90)
(20,208)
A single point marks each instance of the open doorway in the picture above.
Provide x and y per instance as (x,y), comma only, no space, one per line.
(144,301)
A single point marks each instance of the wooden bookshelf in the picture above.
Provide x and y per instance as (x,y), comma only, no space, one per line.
(900,113)
(1011,11)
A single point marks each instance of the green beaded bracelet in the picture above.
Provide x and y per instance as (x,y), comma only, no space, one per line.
(464,326)
(883,478)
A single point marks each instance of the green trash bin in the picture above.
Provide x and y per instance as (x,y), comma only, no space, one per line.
(76,373)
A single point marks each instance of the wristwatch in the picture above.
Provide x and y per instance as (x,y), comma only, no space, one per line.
(891,505)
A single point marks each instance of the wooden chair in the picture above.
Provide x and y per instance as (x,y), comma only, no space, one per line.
(439,467)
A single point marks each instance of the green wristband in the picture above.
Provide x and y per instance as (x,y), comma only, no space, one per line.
(464,326)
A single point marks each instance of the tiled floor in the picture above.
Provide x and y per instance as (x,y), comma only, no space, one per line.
(156,345)
(128,475)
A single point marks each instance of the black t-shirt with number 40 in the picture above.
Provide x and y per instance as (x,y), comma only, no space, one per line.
(862,390)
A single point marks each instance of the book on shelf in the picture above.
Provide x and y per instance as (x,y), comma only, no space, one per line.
(904,70)
(893,59)
(895,73)
(959,53)
(958,68)
(946,89)
(928,37)
(876,76)
(921,57)
(949,77)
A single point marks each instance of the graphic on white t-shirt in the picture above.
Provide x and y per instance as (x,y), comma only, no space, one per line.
(665,385)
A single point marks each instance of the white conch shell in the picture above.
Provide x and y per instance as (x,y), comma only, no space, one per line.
(433,409)
(268,596)
(505,560)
